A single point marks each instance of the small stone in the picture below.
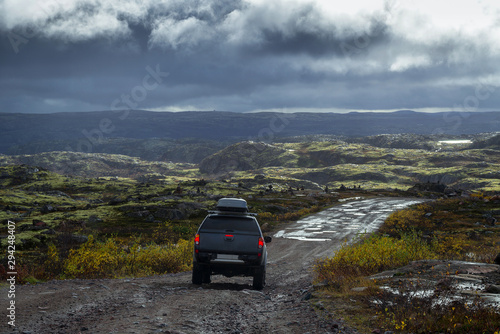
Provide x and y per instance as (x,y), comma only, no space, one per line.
(307,296)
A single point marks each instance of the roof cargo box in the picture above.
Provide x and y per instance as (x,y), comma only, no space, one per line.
(232,205)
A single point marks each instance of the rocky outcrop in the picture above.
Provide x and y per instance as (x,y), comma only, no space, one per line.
(435,187)
(242,156)
(492,143)
(463,280)
(403,140)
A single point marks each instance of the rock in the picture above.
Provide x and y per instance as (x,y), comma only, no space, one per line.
(189,208)
(39,223)
(79,238)
(307,296)
(139,214)
(497,259)
(25,227)
(169,214)
(493,289)
(116,201)
(57,193)
(319,306)
(490,220)
(94,219)
(428,186)
(47,209)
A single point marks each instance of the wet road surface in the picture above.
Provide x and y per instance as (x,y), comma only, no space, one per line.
(345,220)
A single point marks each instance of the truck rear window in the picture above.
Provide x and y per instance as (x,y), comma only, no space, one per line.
(242,224)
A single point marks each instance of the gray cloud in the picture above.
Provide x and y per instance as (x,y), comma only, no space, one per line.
(247,55)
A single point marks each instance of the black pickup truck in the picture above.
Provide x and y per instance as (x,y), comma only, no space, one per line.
(229,242)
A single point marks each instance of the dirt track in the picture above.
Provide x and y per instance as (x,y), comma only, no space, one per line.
(171,304)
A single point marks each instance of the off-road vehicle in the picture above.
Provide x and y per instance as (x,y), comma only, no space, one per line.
(229,242)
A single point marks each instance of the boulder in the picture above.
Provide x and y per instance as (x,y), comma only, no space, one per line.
(169,214)
(79,239)
(429,186)
(47,208)
(493,289)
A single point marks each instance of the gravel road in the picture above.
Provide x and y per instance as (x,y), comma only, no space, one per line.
(171,304)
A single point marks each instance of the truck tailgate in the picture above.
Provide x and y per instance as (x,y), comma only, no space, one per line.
(228,243)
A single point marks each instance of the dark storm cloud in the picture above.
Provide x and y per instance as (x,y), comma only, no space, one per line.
(246,55)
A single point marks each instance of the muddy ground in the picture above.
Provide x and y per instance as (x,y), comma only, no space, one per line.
(171,304)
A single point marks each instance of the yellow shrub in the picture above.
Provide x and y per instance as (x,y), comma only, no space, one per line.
(94,259)
(371,255)
(406,219)
(453,246)
(109,259)
(53,265)
(157,259)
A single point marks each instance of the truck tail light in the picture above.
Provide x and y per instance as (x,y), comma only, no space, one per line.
(261,243)
(197,240)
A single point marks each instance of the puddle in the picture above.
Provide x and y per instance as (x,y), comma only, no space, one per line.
(413,294)
(455,142)
(345,220)
(466,291)
(308,239)
(350,199)
(470,286)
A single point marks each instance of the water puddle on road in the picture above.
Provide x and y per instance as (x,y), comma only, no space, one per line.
(345,220)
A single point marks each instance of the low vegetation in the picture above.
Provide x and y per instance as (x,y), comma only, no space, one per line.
(453,229)
(114,258)
(67,227)
(107,216)
(369,256)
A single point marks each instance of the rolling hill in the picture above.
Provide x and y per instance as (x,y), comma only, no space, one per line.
(90,132)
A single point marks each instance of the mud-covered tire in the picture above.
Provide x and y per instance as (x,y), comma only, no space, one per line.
(206,277)
(197,277)
(259,278)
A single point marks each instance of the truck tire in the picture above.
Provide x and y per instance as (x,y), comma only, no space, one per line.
(259,278)
(206,277)
(197,277)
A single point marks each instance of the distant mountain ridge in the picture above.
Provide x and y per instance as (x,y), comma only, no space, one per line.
(86,131)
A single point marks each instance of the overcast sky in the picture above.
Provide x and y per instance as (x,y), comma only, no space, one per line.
(252,55)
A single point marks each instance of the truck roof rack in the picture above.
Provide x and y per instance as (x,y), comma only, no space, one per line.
(232,213)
